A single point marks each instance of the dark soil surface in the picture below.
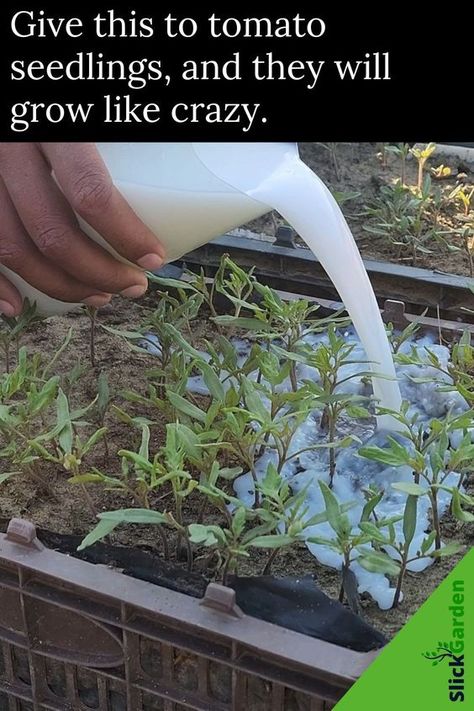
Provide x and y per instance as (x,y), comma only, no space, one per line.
(361,169)
(68,512)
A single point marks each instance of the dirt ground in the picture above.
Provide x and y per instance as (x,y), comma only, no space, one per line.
(68,512)
(362,170)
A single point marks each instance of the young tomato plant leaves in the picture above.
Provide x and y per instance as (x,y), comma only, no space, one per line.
(378,562)
(408,487)
(185,407)
(458,511)
(409,519)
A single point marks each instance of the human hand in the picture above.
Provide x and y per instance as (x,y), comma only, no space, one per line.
(40,237)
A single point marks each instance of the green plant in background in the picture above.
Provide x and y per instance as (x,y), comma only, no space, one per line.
(13,329)
(63,445)
(288,322)
(464,196)
(248,418)
(398,338)
(426,451)
(341,197)
(26,396)
(375,558)
(328,359)
(441,171)
(162,329)
(346,541)
(402,216)
(401,150)
(457,374)
(145,476)
(332,149)
(422,155)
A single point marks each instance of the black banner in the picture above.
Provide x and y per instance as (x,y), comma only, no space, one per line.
(309,71)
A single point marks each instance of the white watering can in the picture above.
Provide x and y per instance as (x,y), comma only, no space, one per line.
(189,193)
(175,189)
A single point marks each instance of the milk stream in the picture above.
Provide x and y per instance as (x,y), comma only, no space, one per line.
(190,193)
(306,203)
(282,181)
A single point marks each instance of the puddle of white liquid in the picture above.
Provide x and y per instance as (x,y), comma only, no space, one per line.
(353,473)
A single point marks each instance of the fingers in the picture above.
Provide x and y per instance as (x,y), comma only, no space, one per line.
(10,299)
(85,181)
(19,253)
(51,224)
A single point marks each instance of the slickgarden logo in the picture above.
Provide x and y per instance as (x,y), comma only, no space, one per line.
(438,679)
(452,653)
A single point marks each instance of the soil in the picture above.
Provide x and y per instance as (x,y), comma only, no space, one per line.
(68,512)
(361,169)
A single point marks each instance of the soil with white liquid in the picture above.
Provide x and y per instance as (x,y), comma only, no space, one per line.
(362,169)
(67,511)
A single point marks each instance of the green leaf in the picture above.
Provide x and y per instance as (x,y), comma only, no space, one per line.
(129,335)
(103,393)
(396,456)
(357,412)
(64,422)
(93,439)
(176,336)
(205,535)
(140,462)
(102,529)
(6,476)
(378,562)
(378,454)
(409,488)
(170,283)
(184,406)
(229,473)
(320,541)
(409,519)
(59,352)
(253,402)
(272,541)
(373,531)
(427,542)
(447,550)
(189,440)
(249,324)
(333,510)
(45,396)
(458,511)
(213,383)
(144,451)
(134,516)
(238,521)
(370,505)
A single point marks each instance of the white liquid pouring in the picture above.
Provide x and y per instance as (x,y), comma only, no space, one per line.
(304,201)
(190,193)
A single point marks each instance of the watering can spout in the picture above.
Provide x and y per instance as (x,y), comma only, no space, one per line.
(248,168)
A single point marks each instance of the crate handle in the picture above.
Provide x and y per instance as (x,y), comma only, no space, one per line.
(220,598)
(23,532)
